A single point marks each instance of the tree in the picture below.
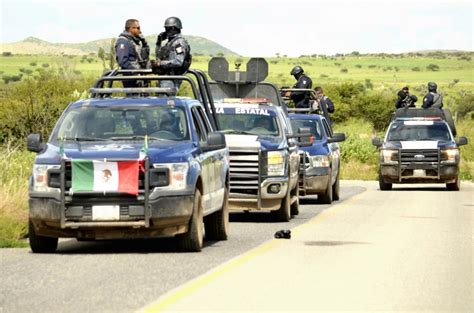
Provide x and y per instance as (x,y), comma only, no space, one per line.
(101,55)
(112,54)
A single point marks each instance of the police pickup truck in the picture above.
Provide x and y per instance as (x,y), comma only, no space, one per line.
(320,162)
(146,165)
(419,149)
(264,157)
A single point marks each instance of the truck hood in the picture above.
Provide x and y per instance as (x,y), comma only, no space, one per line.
(419,144)
(162,152)
(252,142)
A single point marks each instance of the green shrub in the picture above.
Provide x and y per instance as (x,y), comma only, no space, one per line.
(432,67)
(415,69)
(34,105)
(344,70)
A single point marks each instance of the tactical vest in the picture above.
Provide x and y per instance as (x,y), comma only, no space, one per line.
(164,53)
(437,101)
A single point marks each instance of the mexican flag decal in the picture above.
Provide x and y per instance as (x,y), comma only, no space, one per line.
(100,176)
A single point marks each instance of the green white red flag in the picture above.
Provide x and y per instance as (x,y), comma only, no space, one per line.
(100,176)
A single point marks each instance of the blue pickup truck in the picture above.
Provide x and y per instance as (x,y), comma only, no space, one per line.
(146,164)
(320,162)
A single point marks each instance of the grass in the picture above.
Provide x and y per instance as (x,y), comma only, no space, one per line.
(16,168)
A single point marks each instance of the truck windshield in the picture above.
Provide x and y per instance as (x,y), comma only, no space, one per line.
(312,124)
(409,131)
(251,124)
(123,123)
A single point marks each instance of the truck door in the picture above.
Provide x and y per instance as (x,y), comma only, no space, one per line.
(213,174)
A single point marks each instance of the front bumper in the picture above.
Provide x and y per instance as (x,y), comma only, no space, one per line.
(419,173)
(314,180)
(168,215)
(266,199)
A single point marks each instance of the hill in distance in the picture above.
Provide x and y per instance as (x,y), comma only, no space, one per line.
(32,45)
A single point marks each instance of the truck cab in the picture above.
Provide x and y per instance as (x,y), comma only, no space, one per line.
(420,149)
(145,165)
(263,149)
(320,162)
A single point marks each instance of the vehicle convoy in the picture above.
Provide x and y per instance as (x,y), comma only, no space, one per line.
(320,162)
(419,147)
(146,165)
(263,149)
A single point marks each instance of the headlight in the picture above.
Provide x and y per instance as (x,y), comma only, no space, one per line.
(450,155)
(319,161)
(276,163)
(389,156)
(178,173)
(40,177)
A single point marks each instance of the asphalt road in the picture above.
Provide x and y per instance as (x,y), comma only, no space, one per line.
(406,249)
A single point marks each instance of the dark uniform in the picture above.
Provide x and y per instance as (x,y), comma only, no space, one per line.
(301,98)
(132,52)
(432,98)
(174,58)
(405,99)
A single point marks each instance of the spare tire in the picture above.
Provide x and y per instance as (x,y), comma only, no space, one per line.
(449,119)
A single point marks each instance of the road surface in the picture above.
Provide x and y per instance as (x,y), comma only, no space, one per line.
(409,249)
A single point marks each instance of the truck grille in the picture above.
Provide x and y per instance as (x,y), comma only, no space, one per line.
(244,170)
(304,164)
(419,156)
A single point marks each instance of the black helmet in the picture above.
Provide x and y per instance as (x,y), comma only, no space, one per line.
(432,86)
(173,22)
(297,70)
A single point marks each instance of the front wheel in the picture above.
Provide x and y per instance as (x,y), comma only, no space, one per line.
(192,240)
(295,206)
(454,186)
(383,185)
(284,213)
(41,244)
(327,196)
(217,224)
(335,188)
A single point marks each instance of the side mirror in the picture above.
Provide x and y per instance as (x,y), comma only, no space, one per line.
(377,142)
(34,143)
(337,137)
(215,141)
(306,139)
(461,141)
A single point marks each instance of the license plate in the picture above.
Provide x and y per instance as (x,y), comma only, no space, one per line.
(419,173)
(105,212)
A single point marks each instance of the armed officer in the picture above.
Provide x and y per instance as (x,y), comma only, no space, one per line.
(174,57)
(432,99)
(131,49)
(325,103)
(405,100)
(300,98)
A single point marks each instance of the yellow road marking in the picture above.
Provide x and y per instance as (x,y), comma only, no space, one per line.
(193,285)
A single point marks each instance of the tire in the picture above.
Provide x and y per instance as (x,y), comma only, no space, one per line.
(41,244)
(449,119)
(454,186)
(284,213)
(217,224)
(192,240)
(295,206)
(383,185)
(336,188)
(326,197)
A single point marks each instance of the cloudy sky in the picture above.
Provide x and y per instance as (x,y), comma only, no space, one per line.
(253,27)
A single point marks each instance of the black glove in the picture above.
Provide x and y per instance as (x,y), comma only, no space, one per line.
(160,38)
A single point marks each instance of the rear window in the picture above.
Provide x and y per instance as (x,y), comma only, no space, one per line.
(314,125)
(410,131)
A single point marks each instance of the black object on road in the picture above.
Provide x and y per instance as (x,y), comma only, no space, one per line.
(283,234)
